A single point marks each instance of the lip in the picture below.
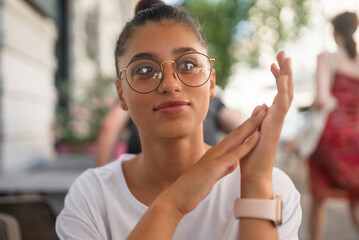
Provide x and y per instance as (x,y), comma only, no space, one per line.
(171,107)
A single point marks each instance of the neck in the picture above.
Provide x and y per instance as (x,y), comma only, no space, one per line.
(162,162)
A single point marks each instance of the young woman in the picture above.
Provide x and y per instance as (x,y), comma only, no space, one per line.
(179,187)
(334,165)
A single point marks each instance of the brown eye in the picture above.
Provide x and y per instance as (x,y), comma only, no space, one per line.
(144,70)
(187,66)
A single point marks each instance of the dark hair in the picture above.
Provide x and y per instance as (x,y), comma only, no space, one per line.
(346,24)
(155,11)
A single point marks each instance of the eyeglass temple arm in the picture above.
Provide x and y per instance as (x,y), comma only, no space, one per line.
(121,70)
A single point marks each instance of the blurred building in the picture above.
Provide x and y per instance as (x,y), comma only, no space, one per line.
(44,44)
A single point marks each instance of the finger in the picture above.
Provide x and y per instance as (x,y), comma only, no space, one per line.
(254,121)
(245,148)
(288,71)
(275,70)
(283,98)
(280,58)
(285,69)
(256,110)
(241,133)
(284,64)
(250,143)
(236,155)
(282,86)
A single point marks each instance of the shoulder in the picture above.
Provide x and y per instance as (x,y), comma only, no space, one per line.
(284,186)
(281,179)
(94,179)
(326,56)
(88,201)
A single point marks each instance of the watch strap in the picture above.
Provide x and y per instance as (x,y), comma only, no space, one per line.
(269,209)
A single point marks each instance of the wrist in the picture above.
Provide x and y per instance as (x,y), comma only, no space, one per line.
(165,206)
(257,189)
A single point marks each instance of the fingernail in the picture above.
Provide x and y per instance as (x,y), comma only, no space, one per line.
(263,107)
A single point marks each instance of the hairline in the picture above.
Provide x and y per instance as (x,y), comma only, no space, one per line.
(161,22)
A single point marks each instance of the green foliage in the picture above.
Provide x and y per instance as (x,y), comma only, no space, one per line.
(274,23)
(219,20)
(241,30)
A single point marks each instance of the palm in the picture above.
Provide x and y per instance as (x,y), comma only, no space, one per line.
(261,160)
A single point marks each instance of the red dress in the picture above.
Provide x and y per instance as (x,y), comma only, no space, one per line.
(334,165)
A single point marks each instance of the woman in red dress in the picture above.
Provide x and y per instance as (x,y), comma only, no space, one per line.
(334,165)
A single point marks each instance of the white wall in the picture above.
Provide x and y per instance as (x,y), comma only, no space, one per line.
(28,65)
(107,18)
(27,71)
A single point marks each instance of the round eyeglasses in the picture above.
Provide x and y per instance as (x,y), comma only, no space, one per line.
(145,75)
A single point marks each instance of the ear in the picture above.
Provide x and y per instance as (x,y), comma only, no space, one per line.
(212,80)
(120,95)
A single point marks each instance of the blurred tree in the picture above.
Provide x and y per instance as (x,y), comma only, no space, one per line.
(241,30)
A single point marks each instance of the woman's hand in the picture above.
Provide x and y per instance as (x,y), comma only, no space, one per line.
(192,187)
(256,168)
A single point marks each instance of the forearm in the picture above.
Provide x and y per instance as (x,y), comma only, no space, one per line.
(159,222)
(251,228)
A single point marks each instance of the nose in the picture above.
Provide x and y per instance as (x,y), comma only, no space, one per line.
(170,81)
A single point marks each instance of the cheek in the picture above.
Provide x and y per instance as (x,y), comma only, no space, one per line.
(202,99)
(138,106)
(135,103)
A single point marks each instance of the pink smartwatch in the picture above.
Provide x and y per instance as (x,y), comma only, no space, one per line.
(269,209)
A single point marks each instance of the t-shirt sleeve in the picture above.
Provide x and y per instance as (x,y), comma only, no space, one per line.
(80,219)
(291,208)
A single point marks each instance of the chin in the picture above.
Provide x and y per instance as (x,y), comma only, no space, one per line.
(179,133)
(175,134)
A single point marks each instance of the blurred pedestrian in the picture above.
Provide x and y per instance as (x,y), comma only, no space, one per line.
(334,165)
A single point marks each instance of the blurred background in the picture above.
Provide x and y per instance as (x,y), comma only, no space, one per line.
(57,80)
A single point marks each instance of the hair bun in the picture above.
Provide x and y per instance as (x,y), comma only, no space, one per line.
(145,4)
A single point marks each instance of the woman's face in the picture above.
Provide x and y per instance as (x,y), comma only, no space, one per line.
(173,110)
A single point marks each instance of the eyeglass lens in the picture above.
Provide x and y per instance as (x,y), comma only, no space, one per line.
(145,75)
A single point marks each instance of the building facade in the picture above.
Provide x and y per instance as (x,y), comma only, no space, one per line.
(42,45)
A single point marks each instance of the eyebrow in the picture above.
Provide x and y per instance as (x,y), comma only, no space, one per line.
(152,55)
(142,55)
(184,50)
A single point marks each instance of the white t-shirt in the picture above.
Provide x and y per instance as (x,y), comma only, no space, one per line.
(99,205)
